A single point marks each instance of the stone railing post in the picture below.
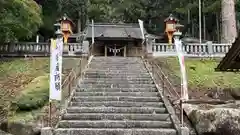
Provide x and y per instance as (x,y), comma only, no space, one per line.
(210,48)
(11,47)
(85,47)
(149,46)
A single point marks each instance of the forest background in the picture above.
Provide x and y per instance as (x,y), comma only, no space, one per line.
(22,20)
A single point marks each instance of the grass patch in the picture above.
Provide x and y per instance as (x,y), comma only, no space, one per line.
(35,95)
(15,75)
(26,81)
(22,66)
(201,73)
(25,116)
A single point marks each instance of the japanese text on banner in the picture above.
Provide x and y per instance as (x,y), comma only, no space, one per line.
(55,70)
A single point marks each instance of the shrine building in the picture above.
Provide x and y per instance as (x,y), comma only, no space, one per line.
(115,39)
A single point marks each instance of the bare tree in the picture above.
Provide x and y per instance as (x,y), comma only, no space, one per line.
(229,30)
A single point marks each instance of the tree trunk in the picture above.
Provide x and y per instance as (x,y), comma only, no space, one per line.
(229,31)
(79,25)
(218,28)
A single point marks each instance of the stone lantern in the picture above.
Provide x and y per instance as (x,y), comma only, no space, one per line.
(170,27)
(66,27)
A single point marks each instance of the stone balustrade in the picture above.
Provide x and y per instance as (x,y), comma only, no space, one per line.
(192,49)
(156,49)
(37,49)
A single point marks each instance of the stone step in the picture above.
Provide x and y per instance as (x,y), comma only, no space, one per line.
(117,85)
(80,89)
(110,70)
(143,110)
(117,67)
(114,66)
(117,79)
(116,57)
(115,98)
(109,82)
(136,94)
(108,59)
(117,104)
(116,131)
(117,76)
(114,124)
(116,73)
(118,63)
(116,60)
(117,116)
(121,63)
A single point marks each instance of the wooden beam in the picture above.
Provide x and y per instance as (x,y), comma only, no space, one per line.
(105,50)
(125,51)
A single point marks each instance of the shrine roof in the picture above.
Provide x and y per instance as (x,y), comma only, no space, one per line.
(231,61)
(108,30)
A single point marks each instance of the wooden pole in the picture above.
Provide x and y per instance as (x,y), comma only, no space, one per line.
(189,21)
(69,84)
(125,51)
(181,113)
(50,114)
(163,84)
(105,50)
(200,20)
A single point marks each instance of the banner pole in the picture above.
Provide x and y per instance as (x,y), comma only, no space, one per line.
(55,92)
(50,114)
(178,45)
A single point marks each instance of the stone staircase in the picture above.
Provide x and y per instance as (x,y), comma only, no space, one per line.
(116,97)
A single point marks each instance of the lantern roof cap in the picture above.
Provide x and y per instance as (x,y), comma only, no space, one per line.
(65,17)
(171,18)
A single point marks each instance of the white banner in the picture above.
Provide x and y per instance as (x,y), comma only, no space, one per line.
(56,69)
(141,27)
(178,44)
(59,42)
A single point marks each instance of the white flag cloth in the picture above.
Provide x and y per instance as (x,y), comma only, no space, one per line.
(141,27)
(56,70)
(178,44)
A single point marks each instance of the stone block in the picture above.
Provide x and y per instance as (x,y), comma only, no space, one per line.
(47,131)
(184,131)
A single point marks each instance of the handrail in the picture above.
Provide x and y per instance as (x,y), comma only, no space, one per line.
(166,78)
(163,78)
(158,74)
(90,49)
(68,90)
